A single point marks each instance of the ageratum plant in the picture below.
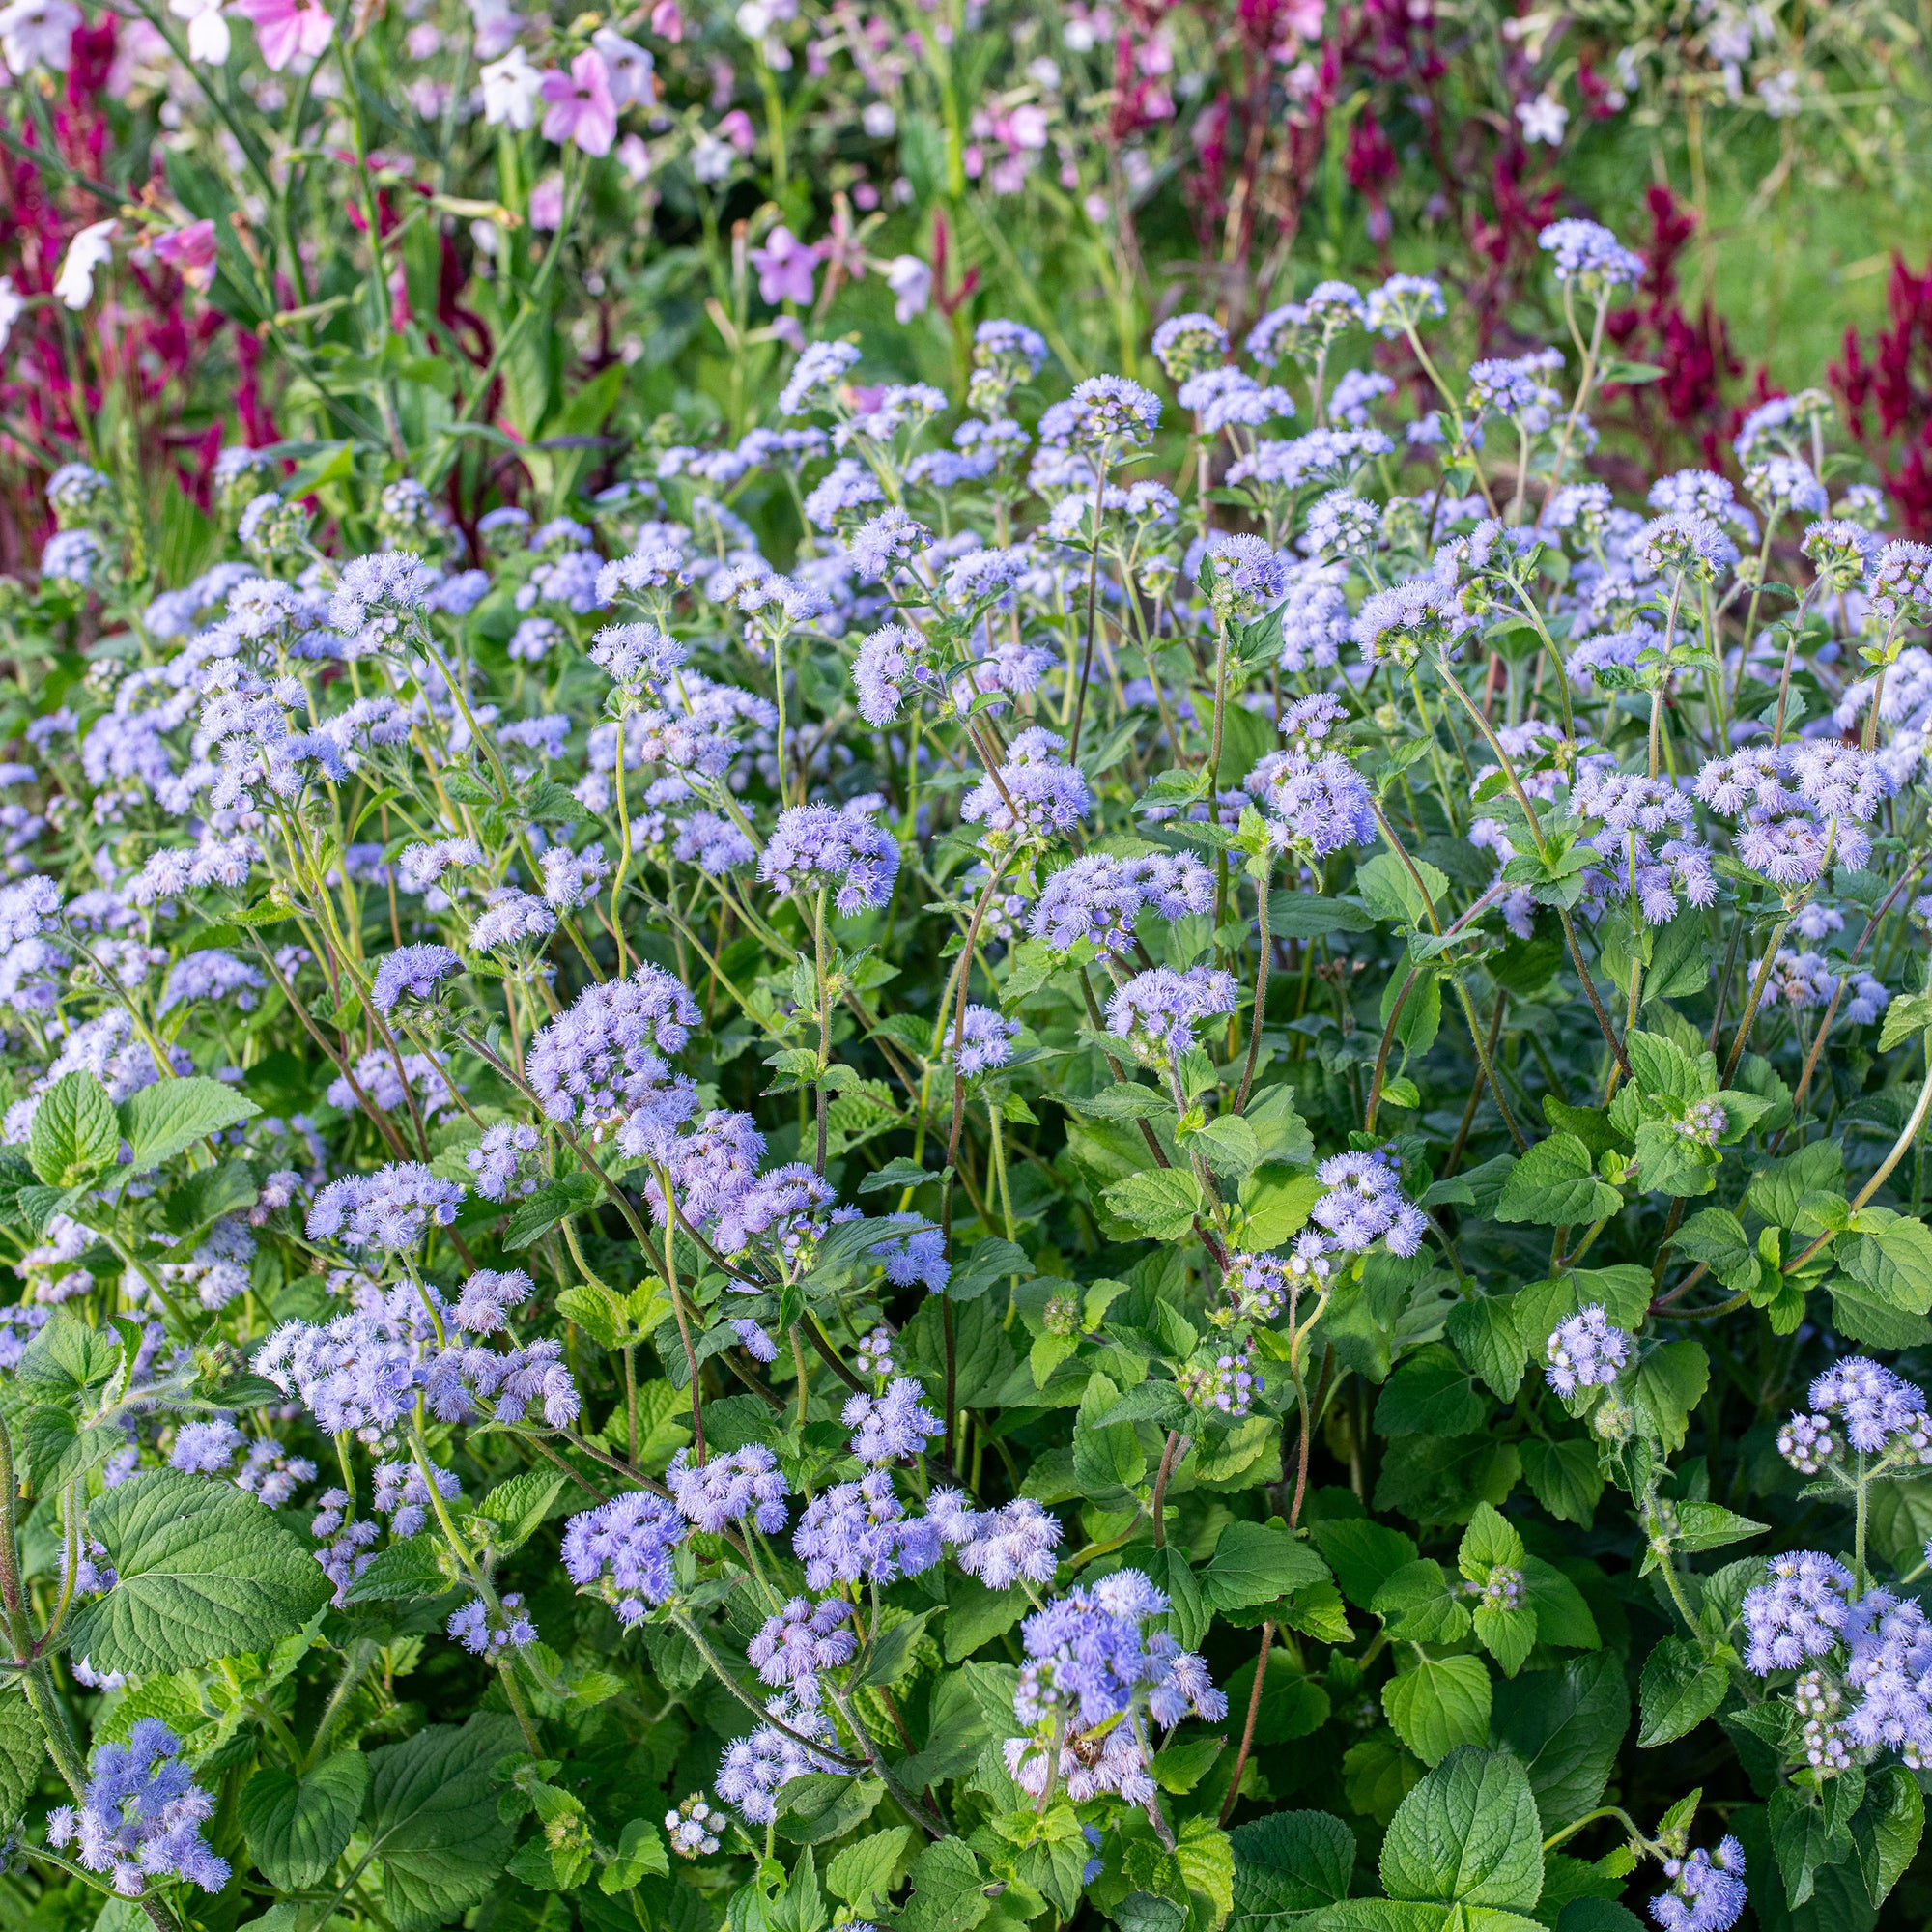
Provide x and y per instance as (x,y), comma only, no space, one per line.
(1156,1203)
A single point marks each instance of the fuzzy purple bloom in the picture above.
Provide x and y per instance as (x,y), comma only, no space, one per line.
(803,1639)
(1318,806)
(1585,1351)
(859,1532)
(846,849)
(892,1426)
(1036,797)
(141,1816)
(605,1052)
(391,1209)
(1707,1892)
(986,1039)
(623,1550)
(745,1482)
(1157,1012)
(415,970)
(1365,1203)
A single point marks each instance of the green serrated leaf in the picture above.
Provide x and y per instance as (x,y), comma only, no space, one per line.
(1468,1835)
(1678,1691)
(74,1134)
(205,1572)
(162,1120)
(406,1572)
(1555,1184)
(1259,1563)
(431,1818)
(1441,1704)
(1161,1203)
(22,1756)
(297,1828)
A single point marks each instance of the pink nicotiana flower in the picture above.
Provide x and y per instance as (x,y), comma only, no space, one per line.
(582,110)
(190,251)
(286,28)
(787,268)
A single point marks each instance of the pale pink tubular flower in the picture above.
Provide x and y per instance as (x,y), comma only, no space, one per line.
(546,203)
(511,90)
(92,249)
(286,28)
(37,33)
(911,283)
(581,107)
(208,35)
(628,67)
(787,268)
(635,159)
(668,21)
(190,251)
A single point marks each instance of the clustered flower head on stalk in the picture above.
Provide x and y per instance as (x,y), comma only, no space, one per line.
(859,1532)
(363,1371)
(785,1211)
(1257,1287)
(639,658)
(605,1054)
(1184,345)
(390,1211)
(801,1640)
(1591,256)
(890,663)
(1364,1204)
(919,1256)
(1707,1891)
(402,1495)
(1861,1405)
(1159,1012)
(985,1040)
(693,1827)
(1097,898)
(1305,330)
(747,1484)
(142,1815)
(1036,797)
(1224,1384)
(1587,1352)
(754,1768)
(503,1163)
(622,1549)
(1403,303)
(1800,1612)
(489,1633)
(845,851)
(1864,1658)
(891,1427)
(1317,806)
(414,972)
(1093,1683)
(376,598)
(1005,355)
(1104,412)
(1000,1547)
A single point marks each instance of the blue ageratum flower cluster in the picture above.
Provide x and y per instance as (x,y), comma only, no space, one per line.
(142,1816)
